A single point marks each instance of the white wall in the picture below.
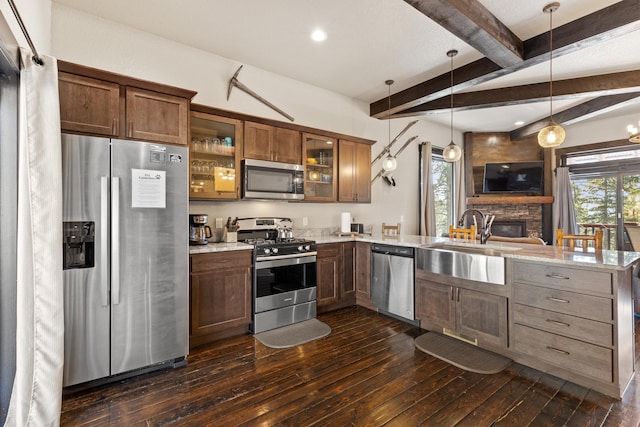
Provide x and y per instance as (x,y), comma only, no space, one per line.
(87,40)
(36,15)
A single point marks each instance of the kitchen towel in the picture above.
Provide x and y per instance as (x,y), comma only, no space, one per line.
(345,222)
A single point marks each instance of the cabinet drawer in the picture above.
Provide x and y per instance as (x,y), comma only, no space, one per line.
(587,306)
(577,356)
(564,277)
(218,260)
(564,324)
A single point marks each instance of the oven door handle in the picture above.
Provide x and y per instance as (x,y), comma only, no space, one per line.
(284,260)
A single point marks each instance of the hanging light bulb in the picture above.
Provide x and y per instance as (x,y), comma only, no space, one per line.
(552,134)
(452,153)
(634,135)
(389,163)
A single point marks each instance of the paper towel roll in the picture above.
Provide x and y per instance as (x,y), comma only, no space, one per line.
(345,222)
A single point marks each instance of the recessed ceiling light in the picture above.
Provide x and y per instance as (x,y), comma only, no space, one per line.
(319,35)
(519,122)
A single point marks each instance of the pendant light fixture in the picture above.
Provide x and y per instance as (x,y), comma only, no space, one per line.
(389,163)
(634,134)
(452,152)
(552,134)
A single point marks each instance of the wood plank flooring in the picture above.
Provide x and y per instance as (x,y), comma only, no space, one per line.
(365,373)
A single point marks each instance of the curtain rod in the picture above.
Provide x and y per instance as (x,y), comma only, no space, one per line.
(36,57)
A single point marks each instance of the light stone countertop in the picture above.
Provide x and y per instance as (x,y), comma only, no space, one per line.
(617,260)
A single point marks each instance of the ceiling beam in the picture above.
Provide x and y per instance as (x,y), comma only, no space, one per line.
(613,21)
(578,113)
(605,84)
(472,23)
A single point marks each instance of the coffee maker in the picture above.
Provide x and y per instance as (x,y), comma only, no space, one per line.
(199,232)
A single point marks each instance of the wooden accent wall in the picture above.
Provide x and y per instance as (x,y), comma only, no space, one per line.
(492,147)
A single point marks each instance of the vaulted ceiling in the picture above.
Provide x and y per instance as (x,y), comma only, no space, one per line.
(501,72)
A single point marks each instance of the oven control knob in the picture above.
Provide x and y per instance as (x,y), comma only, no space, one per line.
(275,250)
(300,248)
(267,251)
(307,247)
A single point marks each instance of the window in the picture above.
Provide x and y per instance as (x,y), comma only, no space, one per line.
(443,192)
(606,191)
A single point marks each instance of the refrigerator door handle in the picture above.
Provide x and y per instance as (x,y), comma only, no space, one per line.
(115,240)
(104,233)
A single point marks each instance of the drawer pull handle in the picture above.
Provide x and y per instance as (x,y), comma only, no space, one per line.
(555,322)
(288,299)
(557,350)
(557,276)
(566,301)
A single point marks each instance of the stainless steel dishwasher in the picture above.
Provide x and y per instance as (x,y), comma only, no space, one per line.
(392,280)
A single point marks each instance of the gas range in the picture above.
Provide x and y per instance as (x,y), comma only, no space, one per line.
(264,233)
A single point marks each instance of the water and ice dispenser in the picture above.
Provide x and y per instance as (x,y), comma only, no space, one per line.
(78,246)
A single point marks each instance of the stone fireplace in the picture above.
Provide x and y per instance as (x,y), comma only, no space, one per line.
(525,219)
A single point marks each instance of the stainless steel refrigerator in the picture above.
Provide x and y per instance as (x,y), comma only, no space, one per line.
(125,222)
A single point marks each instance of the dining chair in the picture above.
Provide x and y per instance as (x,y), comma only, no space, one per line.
(390,230)
(633,233)
(463,233)
(584,239)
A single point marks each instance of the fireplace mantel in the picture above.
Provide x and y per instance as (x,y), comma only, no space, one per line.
(508,200)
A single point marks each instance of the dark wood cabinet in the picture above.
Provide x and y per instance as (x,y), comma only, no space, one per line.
(354,172)
(89,105)
(97,102)
(335,276)
(468,313)
(214,155)
(363,275)
(153,116)
(220,295)
(265,142)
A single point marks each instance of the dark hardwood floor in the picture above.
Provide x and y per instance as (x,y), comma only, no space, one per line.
(365,373)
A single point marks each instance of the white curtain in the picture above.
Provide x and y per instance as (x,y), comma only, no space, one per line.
(564,210)
(428,208)
(37,390)
(460,191)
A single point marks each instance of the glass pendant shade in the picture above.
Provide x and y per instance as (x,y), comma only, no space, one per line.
(551,135)
(634,135)
(452,153)
(389,163)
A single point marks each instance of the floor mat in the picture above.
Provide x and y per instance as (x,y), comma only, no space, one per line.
(296,334)
(461,354)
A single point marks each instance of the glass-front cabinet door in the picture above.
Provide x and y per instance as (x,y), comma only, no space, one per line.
(320,160)
(214,155)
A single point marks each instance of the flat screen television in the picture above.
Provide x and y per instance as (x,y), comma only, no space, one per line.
(514,177)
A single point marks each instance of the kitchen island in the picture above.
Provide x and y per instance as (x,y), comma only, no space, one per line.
(568,313)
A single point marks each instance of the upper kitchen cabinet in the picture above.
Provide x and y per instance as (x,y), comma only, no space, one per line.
(265,142)
(152,116)
(320,154)
(98,102)
(89,105)
(214,153)
(354,172)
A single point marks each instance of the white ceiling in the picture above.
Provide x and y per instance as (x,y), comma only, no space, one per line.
(369,41)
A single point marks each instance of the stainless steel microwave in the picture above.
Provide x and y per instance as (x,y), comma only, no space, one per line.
(262,179)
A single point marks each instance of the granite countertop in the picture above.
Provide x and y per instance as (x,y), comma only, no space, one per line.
(618,260)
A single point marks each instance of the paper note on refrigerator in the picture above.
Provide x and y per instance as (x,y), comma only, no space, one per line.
(148,188)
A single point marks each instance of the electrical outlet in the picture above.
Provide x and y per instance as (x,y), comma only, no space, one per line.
(305,221)
(219,222)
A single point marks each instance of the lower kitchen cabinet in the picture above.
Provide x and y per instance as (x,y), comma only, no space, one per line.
(574,321)
(363,275)
(335,276)
(220,295)
(471,314)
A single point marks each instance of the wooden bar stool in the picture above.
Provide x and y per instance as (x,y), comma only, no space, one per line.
(390,230)
(583,238)
(462,233)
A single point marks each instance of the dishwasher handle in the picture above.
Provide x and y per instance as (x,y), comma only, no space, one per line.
(402,251)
